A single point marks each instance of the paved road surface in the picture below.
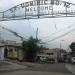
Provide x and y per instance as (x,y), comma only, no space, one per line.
(22,72)
(59,68)
(41,69)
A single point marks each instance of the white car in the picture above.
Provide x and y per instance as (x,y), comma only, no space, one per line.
(73,59)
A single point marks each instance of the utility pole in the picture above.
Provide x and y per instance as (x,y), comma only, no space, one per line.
(0,35)
(36,34)
(38,8)
(60,45)
(52,3)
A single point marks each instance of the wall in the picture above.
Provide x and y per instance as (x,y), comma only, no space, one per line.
(1,53)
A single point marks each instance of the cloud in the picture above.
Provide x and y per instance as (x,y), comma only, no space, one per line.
(46,26)
(6,4)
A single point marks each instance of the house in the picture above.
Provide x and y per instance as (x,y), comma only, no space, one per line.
(13,50)
(48,55)
(56,54)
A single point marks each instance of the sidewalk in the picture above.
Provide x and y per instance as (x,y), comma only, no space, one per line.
(28,64)
(71,67)
(9,66)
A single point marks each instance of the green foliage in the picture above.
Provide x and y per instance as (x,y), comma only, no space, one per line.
(72,46)
(30,49)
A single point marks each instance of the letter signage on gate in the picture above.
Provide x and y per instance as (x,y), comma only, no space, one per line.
(38,9)
(44,7)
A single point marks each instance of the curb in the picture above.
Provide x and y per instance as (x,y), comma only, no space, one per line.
(12,70)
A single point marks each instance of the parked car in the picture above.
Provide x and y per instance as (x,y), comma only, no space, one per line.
(73,59)
(45,58)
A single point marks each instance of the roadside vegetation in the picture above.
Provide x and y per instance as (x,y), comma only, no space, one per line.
(30,49)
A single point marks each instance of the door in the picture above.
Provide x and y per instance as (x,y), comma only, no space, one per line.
(5,52)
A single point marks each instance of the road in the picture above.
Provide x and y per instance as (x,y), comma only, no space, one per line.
(41,69)
(60,68)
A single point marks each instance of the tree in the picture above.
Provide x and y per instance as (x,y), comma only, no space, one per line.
(30,49)
(72,46)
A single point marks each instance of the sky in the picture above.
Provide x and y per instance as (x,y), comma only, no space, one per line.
(48,28)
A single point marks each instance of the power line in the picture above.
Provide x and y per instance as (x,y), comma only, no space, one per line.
(61,35)
(13,32)
(58,31)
